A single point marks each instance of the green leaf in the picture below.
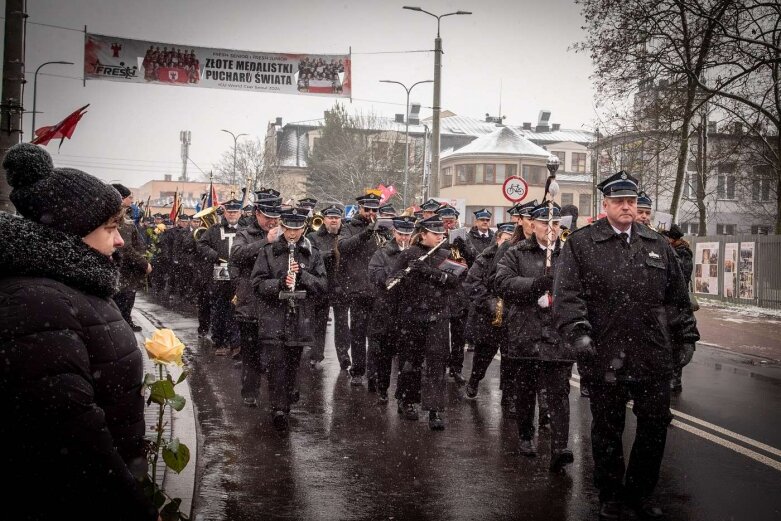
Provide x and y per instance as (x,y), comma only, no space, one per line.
(149,379)
(177,402)
(162,390)
(176,459)
(170,512)
(182,377)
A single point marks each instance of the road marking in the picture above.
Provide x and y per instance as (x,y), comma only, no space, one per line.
(761,458)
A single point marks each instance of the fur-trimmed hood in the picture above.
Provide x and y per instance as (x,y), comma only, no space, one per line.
(35,250)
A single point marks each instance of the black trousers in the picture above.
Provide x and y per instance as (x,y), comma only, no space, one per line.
(204,308)
(457,342)
(224,330)
(341,331)
(608,410)
(387,347)
(283,364)
(425,341)
(530,377)
(252,358)
(360,312)
(125,300)
(481,360)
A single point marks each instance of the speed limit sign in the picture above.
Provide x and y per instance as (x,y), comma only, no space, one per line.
(515,189)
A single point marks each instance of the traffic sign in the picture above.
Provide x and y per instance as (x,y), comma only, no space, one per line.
(349,211)
(515,189)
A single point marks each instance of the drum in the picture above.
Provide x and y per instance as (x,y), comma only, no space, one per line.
(220,272)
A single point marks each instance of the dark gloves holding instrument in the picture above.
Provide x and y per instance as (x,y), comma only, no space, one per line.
(541,285)
(584,347)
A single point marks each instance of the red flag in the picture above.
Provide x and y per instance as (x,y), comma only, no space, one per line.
(175,207)
(386,192)
(63,129)
(211,200)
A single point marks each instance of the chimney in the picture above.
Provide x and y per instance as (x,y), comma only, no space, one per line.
(399,118)
(543,121)
(414,114)
(527,125)
(278,122)
(556,126)
(167,177)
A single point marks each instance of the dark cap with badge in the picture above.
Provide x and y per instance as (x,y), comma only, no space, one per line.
(483,213)
(267,202)
(430,206)
(525,210)
(387,210)
(232,206)
(447,212)
(369,201)
(619,184)
(294,218)
(184,217)
(332,211)
(514,209)
(643,201)
(404,224)
(432,224)
(505,228)
(307,202)
(541,212)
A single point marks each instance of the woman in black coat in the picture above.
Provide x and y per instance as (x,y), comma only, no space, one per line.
(71,380)
(541,358)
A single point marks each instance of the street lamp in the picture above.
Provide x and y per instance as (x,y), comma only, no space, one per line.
(406,132)
(437,87)
(235,140)
(35,87)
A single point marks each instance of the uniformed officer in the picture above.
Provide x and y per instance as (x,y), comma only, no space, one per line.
(287,277)
(386,211)
(325,240)
(384,323)
(644,208)
(307,202)
(248,243)
(514,213)
(525,282)
(480,235)
(428,209)
(359,239)
(214,248)
(421,298)
(621,301)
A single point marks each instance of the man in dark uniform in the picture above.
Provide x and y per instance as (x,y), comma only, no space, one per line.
(359,240)
(480,235)
(307,202)
(246,247)
(620,299)
(644,208)
(387,211)
(684,255)
(325,240)
(428,209)
(287,276)
(179,257)
(214,247)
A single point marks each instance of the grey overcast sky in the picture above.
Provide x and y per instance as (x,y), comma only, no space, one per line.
(131,132)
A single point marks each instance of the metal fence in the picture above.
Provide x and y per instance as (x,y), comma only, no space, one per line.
(743,269)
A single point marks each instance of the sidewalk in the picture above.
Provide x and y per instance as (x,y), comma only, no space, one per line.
(180,424)
(748,331)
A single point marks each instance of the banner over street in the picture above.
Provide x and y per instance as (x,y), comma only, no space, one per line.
(137,61)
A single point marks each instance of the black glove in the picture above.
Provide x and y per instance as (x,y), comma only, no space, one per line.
(423,268)
(542,284)
(685,354)
(584,347)
(372,226)
(459,243)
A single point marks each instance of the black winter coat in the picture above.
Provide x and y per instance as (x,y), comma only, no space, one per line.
(422,297)
(685,257)
(479,290)
(216,242)
(380,269)
(531,332)
(325,243)
(357,244)
(246,248)
(476,243)
(133,264)
(70,381)
(631,299)
(276,324)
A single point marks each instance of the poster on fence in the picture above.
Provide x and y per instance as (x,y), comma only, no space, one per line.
(746,270)
(137,61)
(706,268)
(731,269)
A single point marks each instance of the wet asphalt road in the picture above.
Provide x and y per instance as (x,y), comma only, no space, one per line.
(345,457)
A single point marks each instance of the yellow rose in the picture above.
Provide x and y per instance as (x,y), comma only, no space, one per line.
(164,347)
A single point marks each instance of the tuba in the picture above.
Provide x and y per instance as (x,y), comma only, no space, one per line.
(208,217)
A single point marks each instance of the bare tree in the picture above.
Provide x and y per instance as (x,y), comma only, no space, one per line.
(254,167)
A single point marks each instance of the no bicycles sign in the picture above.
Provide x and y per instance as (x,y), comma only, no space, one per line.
(515,189)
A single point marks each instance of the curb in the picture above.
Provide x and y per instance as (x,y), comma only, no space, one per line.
(181,424)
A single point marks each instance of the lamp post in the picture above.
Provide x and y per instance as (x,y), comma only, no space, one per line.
(235,141)
(35,87)
(406,131)
(437,88)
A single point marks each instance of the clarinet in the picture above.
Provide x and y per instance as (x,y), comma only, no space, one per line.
(423,257)
(291,258)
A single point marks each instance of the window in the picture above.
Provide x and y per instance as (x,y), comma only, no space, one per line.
(567,198)
(760,229)
(535,175)
(579,162)
(584,205)
(447,177)
(500,173)
(725,189)
(562,160)
(691,185)
(510,170)
(725,229)
(760,190)
(489,174)
(465,174)
(690,228)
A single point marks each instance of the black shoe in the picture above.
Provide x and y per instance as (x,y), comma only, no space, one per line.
(560,459)
(435,421)
(135,327)
(372,384)
(382,396)
(456,376)
(345,364)
(295,396)
(646,508)
(527,448)
(279,420)
(471,390)
(609,510)
(408,411)
(470,348)
(249,401)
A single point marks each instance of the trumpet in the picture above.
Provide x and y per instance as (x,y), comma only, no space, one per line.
(564,234)
(316,222)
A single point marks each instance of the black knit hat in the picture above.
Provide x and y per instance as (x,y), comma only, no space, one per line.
(65,199)
(123,190)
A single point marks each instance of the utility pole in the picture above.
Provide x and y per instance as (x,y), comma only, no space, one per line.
(184,137)
(13,78)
